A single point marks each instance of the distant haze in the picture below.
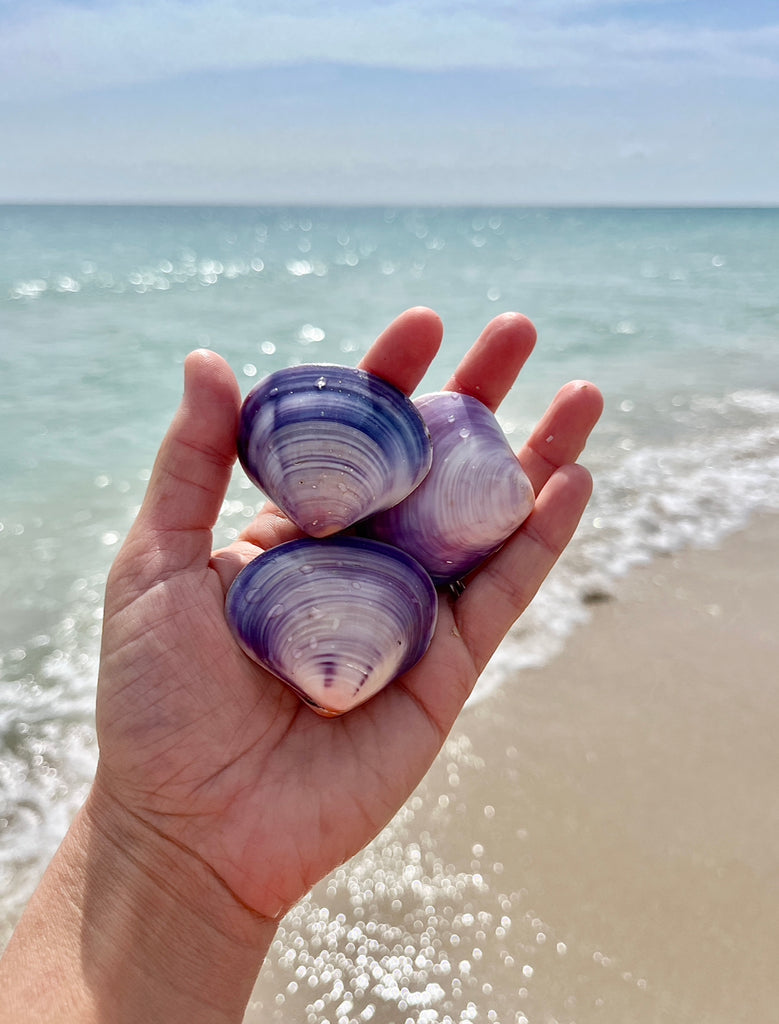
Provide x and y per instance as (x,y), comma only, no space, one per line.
(547,101)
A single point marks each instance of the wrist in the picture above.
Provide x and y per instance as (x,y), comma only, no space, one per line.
(183,930)
(126,926)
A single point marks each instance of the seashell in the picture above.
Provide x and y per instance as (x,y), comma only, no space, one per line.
(474,497)
(337,619)
(331,445)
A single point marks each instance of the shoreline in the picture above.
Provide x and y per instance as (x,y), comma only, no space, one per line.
(597,841)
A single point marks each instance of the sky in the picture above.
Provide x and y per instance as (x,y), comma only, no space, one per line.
(487,102)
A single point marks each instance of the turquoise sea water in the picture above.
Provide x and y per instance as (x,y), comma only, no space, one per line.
(674,313)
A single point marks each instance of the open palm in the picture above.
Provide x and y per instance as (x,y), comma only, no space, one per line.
(217,757)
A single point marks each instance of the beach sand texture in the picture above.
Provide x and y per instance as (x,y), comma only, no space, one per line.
(597,842)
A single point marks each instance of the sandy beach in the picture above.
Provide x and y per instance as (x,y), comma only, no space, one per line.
(597,842)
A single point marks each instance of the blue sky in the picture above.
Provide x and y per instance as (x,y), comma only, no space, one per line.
(478,101)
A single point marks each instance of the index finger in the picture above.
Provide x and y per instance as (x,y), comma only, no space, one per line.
(403,352)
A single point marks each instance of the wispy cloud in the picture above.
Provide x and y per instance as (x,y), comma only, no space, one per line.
(61,46)
(389,100)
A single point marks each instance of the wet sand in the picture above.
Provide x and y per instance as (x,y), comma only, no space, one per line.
(597,842)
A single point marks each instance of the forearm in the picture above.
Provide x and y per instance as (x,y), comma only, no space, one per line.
(124,929)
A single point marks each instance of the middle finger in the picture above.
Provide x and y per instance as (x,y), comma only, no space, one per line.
(490,367)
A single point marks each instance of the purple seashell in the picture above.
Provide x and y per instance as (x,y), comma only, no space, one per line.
(337,619)
(474,497)
(331,445)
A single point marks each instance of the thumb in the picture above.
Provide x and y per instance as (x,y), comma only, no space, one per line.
(193,467)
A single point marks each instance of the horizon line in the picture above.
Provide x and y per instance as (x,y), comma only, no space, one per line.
(404,205)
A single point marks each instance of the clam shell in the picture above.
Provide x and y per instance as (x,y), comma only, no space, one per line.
(331,445)
(475,495)
(336,619)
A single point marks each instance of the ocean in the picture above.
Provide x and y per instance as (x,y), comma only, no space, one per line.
(674,313)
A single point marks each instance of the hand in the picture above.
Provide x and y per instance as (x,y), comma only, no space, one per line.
(219,797)
(218,757)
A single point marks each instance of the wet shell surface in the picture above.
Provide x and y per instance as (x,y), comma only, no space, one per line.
(336,619)
(474,497)
(331,445)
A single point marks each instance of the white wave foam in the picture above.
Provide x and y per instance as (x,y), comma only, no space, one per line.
(49,753)
(657,499)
